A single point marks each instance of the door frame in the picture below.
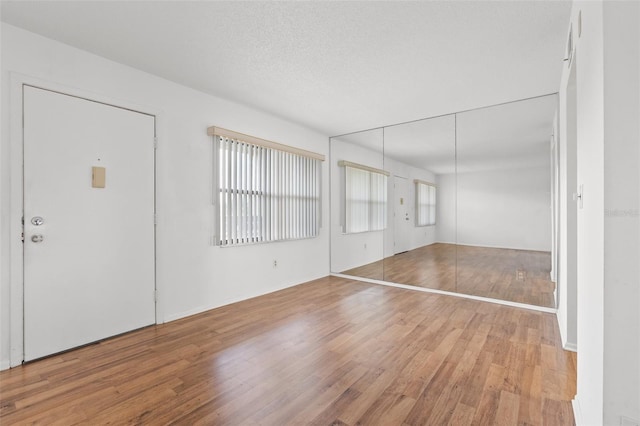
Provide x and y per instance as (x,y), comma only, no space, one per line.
(16,245)
(395,207)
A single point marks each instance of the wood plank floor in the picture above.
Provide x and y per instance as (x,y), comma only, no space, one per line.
(331,351)
(514,275)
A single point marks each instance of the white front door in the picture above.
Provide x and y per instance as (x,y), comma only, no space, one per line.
(402,209)
(89,238)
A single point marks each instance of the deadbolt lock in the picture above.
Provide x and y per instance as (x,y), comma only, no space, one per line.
(37,220)
(37,238)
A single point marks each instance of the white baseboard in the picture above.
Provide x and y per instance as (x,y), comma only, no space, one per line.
(5,364)
(184,314)
(503,247)
(570,347)
(577,412)
(444,242)
(201,309)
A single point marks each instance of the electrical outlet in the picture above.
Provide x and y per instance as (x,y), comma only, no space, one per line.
(365,246)
(275,263)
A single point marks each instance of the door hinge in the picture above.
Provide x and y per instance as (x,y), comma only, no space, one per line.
(155,142)
(155,218)
(578,196)
(155,295)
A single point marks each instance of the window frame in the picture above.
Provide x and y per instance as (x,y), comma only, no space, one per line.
(376,201)
(263,192)
(432,195)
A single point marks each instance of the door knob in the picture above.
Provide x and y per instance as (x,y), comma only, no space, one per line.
(37,220)
(36,238)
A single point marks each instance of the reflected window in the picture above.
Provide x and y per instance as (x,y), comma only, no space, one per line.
(365,198)
(425,203)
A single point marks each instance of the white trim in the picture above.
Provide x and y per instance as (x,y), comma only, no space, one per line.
(344,163)
(449,293)
(570,347)
(445,242)
(424,182)
(190,312)
(563,332)
(5,365)
(15,224)
(488,246)
(501,247)
(577,411)
(202,309)
(16,299)
(253,140)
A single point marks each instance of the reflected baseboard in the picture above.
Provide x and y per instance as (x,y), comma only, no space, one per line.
(449,293)
(500,247)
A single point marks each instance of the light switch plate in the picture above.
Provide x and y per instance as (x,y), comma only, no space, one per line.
(98,177)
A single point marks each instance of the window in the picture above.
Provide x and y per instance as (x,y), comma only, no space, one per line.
(365,198)
(265,191)
(425,203)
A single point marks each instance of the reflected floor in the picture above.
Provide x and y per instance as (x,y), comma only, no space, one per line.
(515,275)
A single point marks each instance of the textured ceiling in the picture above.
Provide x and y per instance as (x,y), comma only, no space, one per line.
(333,66)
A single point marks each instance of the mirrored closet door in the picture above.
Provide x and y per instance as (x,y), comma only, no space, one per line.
(460,203)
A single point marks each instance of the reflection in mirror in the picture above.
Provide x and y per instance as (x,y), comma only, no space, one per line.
(467,203)
(416,154)
(358,203)
(504,195)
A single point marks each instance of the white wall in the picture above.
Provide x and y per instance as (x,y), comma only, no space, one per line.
(622,211)
(192,275)
(608,160)
(5,313)
(590,137)
(568,215)
(501,208)
(446,208)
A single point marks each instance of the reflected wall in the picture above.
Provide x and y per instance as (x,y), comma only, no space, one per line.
(467,203)
(352,249)
(503,202)
(417,154)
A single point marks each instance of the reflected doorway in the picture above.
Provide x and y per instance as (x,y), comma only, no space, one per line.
(402,219)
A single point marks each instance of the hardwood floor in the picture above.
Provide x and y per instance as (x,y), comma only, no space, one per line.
(331,351)
(514,275)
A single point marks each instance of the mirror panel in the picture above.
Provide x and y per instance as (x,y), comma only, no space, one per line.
(358,195)
(420,240)
(467,206)
(504,196)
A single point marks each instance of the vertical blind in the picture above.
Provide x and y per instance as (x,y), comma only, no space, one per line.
(265,194)
(365,199)
(425,203)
